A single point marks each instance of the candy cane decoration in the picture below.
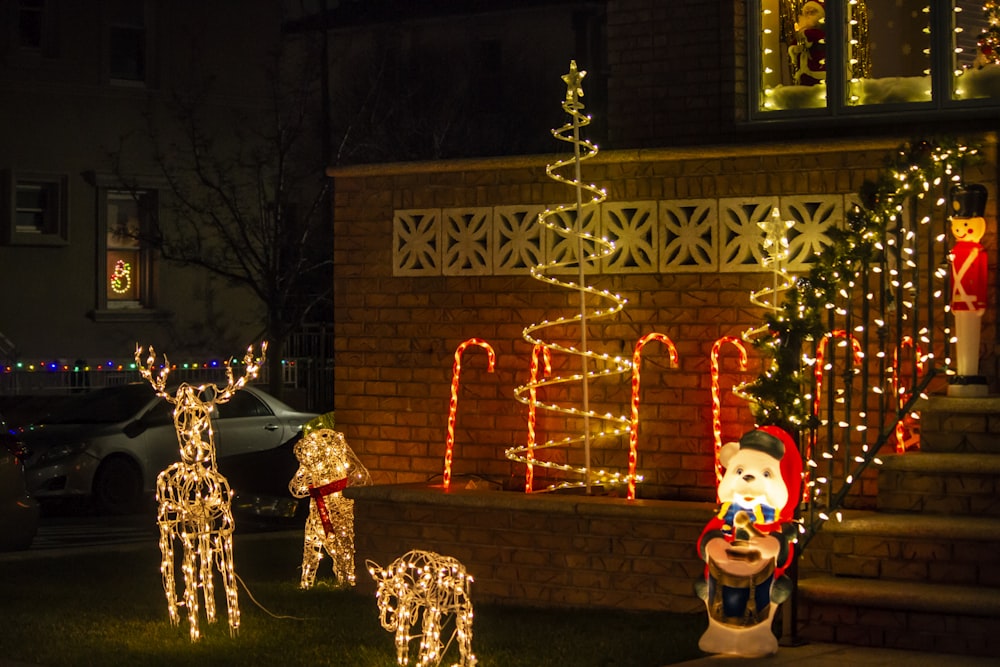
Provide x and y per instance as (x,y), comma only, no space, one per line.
(634,430)
(903,394)
(453,407)
(546,367)
(717,398)
(818,374)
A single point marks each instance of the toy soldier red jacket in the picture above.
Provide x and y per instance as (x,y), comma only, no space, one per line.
(968,276)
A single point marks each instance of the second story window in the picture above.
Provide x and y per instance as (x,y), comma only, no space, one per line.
(30,15)
(127,47)
(837,57)
(33,27)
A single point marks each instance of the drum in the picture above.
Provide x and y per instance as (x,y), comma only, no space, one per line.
(740,600)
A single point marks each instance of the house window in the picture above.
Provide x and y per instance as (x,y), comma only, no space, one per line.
(127,56)
(127,266)
(857,56)
(36,213)
(30,22)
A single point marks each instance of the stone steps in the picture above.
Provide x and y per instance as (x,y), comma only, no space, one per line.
(922,571)
(960,424)
(925,617)
(953,483)
(908,548)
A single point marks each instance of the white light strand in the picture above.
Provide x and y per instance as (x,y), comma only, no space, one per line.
(194,500)
(427,584)
(326,467)
(590,249)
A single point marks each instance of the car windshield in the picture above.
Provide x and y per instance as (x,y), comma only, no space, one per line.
(102,406)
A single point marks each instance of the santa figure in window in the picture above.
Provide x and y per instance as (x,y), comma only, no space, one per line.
(749,543)
(968,286)
(808,54)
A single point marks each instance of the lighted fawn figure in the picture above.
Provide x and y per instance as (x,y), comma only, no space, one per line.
(326,467)
(423,581)
(194,499)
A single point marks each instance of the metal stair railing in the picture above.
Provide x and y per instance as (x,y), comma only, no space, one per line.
(897,301)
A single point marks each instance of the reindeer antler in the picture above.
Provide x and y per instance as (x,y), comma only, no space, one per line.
(249,374)
(159,382)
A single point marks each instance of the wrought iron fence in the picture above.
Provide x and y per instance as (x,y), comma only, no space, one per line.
(307,368)
(888,342)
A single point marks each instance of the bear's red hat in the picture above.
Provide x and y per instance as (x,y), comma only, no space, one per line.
(777,442)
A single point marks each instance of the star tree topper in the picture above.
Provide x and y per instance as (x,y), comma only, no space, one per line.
(574,83)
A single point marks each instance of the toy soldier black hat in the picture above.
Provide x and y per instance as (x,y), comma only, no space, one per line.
(968,201)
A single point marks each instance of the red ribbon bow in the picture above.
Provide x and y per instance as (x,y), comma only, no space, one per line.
(319,493)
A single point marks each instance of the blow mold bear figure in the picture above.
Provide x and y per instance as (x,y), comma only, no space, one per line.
(748,545)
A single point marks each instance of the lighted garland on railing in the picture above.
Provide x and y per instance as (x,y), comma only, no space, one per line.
(776,395)
(872,230)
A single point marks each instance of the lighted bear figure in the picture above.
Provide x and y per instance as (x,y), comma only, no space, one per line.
(326,467)
(749,543)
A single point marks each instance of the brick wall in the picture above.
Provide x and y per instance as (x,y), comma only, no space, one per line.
(396,335)
(672,71)
(546,550)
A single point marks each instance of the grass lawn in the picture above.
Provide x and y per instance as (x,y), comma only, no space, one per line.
(108,608)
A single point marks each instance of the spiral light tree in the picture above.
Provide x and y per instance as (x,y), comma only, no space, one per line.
(570,221)
(775,246)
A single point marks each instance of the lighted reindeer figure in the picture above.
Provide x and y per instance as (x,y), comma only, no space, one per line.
(194,499)
(326,467)
(424,581)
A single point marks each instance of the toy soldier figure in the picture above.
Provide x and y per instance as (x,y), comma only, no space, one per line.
(968,286)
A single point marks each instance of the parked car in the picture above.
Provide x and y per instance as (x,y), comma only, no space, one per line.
(18,511)
(108,445)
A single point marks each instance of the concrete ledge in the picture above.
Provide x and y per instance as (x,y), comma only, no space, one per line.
(559,503)
(553,550)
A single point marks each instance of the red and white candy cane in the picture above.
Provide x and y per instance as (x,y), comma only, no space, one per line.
(818,373)
(453,406)
(634,430)
(546,368)
(717,398)
(906,436)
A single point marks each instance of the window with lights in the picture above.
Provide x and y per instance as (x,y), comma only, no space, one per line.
(127,281)
(842,57)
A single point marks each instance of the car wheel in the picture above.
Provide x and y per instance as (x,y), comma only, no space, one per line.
(117,486)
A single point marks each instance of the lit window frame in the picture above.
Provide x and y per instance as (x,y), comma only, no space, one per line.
(944,104)
(145,307)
